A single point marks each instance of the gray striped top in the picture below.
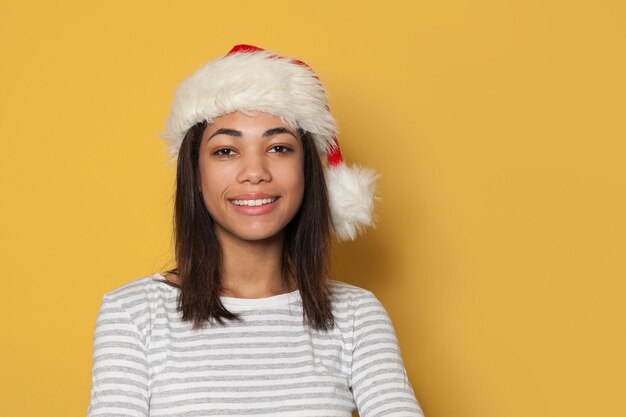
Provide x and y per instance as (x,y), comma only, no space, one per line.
(148,362)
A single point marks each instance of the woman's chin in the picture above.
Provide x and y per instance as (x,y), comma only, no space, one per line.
(251,234)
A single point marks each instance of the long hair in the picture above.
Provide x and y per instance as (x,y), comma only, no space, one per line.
(198,255)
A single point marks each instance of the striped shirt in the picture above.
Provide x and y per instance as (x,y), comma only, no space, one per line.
(148,362)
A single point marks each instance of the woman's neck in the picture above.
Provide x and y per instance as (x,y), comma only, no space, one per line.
(252,269)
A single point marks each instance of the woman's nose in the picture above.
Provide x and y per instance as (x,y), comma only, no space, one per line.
(254,169)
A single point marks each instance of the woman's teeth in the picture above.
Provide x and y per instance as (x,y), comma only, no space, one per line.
(258,202)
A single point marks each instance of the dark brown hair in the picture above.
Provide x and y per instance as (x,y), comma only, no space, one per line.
(306,246)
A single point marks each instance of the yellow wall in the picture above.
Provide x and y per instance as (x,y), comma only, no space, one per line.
(498,128)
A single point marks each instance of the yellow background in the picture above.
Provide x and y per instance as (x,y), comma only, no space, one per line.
(498,128)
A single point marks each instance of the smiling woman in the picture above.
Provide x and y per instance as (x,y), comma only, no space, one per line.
(249,321)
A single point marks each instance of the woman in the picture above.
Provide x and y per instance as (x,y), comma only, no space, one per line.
(249,323)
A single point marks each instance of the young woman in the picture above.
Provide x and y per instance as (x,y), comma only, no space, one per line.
(249,323)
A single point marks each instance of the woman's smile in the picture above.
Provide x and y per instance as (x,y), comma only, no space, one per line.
(251,203)
(254,204)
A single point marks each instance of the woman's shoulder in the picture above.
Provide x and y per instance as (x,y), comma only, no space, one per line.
(356,300)
(344,289)
(347,293)
(131,308)
(140,291)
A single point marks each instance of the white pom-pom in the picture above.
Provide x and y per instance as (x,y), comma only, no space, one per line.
(351,198)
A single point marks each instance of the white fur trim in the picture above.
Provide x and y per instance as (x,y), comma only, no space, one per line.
(351,198)
(252,81)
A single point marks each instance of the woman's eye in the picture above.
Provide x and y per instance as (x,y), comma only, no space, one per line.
(224,152)
(280,149)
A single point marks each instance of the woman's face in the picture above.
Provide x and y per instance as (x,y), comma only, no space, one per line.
(251,175)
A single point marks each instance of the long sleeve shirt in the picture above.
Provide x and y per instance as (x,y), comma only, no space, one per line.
(148,362)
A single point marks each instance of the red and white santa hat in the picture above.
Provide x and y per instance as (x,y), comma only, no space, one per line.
(249,78)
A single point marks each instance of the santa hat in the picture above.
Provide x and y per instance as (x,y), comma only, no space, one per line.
(252,79)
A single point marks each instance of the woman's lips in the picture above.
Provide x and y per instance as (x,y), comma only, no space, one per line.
(254,204)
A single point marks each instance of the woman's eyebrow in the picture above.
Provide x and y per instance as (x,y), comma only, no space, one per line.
(267,133)
(229,132)
(278,131)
